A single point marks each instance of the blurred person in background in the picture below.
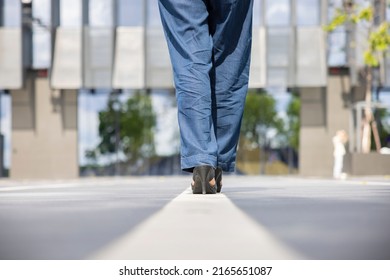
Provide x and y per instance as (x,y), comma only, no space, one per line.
(209,42)
(339,141)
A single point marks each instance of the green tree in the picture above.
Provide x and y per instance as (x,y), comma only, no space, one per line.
(128,127)
(260,115)
(378,42)
(293,123)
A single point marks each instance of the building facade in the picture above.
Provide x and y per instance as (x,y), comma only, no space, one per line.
(50,49)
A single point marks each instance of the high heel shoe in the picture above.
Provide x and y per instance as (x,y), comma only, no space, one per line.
(218,178)
(203,180)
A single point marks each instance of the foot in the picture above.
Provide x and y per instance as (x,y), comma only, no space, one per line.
(204,180)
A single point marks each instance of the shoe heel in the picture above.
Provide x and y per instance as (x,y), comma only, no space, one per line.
(202,176)
(218,178)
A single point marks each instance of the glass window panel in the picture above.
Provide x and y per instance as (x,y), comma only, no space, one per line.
(166,137)
(153,13)
(333,5)
(41,10)
(101,13)
(5,128)
(308,12)
(12,15)
(71,13)
(89,107)
(41,49)
(363,3)
(278,12)
(387,70)
(388,11)
(361,44)
(130,13)
(337,42)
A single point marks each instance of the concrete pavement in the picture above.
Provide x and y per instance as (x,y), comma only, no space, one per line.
(158,218)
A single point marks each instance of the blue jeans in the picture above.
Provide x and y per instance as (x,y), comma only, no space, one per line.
(209,43)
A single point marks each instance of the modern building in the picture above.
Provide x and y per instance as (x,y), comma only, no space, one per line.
(50,49)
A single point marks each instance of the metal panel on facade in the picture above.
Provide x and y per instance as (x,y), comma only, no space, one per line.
(67,67)
(159,70)
(129,66)
(257,77)
(98,57)
(11,70)
(311,58)
(280,50)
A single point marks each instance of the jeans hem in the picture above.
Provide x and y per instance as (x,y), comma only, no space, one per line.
(227,166)
(188,163)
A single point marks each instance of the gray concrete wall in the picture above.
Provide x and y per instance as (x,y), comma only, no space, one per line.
(44,132)
(367,164)
(323,112)
(314,151)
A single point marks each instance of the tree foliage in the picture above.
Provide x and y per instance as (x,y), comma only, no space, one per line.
(379,37)
(259,115)
(293,113)
(135,120)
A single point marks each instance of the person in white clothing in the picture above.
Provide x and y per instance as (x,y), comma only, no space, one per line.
(339,141)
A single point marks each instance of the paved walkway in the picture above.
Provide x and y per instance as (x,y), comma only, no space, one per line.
(158,218)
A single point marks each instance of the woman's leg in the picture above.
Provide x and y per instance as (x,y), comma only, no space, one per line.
(186,26)
(231,30)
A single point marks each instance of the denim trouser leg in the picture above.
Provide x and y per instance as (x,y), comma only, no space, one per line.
(209,44)
(231,26)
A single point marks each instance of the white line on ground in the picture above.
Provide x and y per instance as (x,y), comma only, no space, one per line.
(198,227)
